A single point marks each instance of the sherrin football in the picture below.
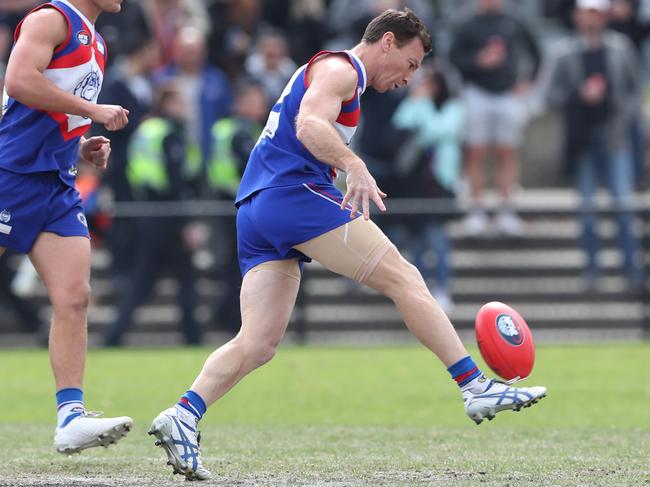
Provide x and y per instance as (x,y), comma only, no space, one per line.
(505,341)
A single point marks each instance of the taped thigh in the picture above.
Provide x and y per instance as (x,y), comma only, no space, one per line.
(353,249)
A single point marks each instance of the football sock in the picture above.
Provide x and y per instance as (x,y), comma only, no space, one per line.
(70,404)
(466,373)
(192,402)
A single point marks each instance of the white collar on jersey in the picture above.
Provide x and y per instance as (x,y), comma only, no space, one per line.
(363,69)
(88,23)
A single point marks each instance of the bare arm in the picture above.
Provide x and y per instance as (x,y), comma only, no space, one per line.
(40,33)
(334,80)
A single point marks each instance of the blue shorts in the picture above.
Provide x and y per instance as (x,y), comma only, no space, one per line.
(34,203)
(271,221)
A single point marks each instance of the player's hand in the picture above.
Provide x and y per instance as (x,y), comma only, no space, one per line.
(96,151)
(594,89)
(493,55)
(112,117)
(362,188)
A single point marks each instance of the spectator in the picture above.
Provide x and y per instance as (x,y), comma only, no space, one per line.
(160,169)
(488,50)
(128,83)
(234,138)
(595,81)
(205,88)
(234,23)
(432,155)
(169,17)
(625,17)
(270,64)
(121,32)
(304,21)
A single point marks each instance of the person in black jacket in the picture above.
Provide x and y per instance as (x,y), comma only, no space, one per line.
(128,84)
(490,50)
(162,167)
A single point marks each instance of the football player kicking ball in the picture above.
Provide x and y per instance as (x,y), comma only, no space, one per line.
(291,212)
(53,79)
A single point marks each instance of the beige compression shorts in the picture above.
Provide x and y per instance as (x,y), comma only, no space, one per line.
(353,250)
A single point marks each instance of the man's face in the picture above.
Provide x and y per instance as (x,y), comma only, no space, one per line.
(190,52)
(274,50)
(590,21)
(490,6)
(110,6)
(398,63)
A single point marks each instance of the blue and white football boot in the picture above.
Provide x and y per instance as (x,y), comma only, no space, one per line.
(499,396)
(176,432)
(89,430)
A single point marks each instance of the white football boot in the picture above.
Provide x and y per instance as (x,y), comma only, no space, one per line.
(177,434)
(500,396)
(89,430)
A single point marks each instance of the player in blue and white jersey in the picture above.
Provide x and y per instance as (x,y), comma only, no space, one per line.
(291,212)
(53,78)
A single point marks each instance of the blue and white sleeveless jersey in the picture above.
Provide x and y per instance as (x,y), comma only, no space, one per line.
(279,158)
(32,140)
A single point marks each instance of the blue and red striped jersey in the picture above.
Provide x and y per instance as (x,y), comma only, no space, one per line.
(279,158)
(33,140)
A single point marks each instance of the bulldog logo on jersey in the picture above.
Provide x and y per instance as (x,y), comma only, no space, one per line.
(83,37)
(88,88)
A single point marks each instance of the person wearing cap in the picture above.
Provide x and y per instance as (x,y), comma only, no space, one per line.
(595,82)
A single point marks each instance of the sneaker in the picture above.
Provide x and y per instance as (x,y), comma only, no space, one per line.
(180,440)
(500,396)
(509,224)
(89,430)
(475,223)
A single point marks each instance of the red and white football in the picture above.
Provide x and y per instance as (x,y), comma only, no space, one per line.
(505,341)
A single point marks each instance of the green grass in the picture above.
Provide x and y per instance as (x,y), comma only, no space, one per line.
(344,416)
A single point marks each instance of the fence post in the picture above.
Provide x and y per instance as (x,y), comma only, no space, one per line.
(645,290)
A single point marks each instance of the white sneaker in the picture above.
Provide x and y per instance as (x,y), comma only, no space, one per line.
(180,440)
(500,396)
(89,430)
(509,223)
(475,223)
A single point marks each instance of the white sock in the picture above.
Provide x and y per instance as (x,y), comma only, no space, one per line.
(66,409)
(186,416)
(477,385)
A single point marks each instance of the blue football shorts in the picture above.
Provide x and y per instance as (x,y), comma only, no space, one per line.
(34,203)
(272,221)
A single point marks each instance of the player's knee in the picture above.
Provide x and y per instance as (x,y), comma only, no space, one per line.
(72,299)
(260,353)
(403,278)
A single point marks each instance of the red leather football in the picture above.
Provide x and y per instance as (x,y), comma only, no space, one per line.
(505,341)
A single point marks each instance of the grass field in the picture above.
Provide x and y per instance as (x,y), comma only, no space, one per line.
(344,416)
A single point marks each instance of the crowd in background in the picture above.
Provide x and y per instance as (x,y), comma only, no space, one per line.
(199,77)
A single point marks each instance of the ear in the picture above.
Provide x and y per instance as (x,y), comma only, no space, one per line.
(387,41)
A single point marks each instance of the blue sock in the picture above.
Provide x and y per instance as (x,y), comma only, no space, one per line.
(464,371)
(193,403)
(69,405)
